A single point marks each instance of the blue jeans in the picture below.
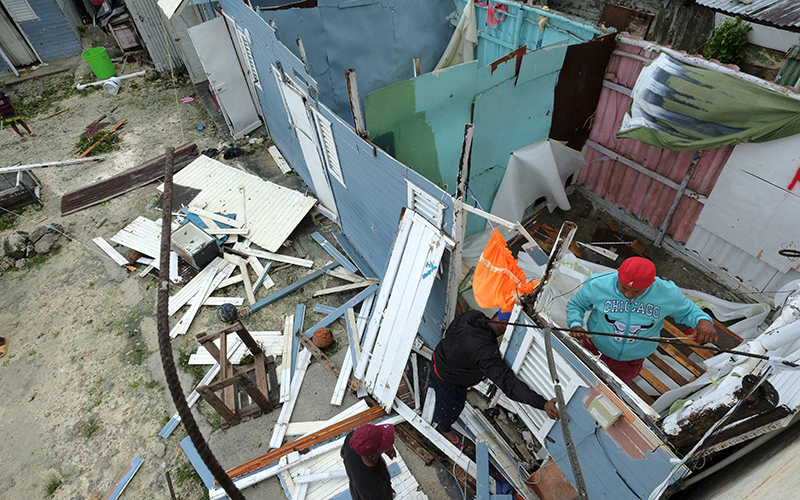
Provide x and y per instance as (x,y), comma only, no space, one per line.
(450,400)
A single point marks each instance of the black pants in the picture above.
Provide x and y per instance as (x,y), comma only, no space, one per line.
(450,400)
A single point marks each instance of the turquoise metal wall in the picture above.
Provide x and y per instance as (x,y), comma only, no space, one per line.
(421,121)
(375,190)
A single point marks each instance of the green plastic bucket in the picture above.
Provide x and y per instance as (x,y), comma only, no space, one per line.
(97,59)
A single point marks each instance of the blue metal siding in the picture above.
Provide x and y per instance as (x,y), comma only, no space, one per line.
(379,40)
(603,462)
(4,68)
(50,35)
(376,190)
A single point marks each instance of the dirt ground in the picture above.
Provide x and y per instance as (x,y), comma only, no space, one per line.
(79,380)
(84,386)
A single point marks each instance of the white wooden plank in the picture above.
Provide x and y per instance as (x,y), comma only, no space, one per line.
(223,231)
(302,488)
(230,281)
(270,342)
(436,438)
(190,290)
(218,301)
(303,359)
(110,251)
(347,365)
(342,274)
(286,359)
(278,157)
(237,223)
(383,295)
(248,287)
(344,288)
(302,428)
(279,257)
(183,325)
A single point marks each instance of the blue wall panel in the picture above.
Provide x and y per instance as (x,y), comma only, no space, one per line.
(379,39)
(370,204)
(4,68)
(51,35)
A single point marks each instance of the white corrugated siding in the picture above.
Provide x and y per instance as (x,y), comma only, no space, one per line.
(272,211)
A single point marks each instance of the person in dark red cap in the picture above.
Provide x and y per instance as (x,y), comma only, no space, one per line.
(631,301)
(366,469)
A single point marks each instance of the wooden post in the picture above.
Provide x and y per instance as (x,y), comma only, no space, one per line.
(355,103)
(218,405)
(459,227)
(417,70)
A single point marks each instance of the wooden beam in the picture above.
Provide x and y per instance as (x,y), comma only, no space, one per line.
(668,370)
(317,353)
(651,379)
(114,129)
(279,431)
(683,359)
(306,442)
(640,392)
(675,332)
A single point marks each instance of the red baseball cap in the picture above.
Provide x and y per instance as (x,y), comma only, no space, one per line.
(369,439)
(637,273)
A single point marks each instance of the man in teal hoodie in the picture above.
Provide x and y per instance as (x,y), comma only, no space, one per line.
(632,302)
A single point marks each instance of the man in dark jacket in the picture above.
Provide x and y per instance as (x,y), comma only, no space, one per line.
(468,353)
(366,469)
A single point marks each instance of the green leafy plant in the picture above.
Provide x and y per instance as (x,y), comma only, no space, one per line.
(52,485)
(727,42)
(94,426)
(9,219)
(109,142)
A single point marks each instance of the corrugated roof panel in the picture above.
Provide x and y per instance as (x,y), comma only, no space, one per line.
(156,33)
(777,12)
(271,211)
(641,195)
(738,263)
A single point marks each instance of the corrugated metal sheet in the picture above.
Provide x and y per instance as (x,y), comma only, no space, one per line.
(641,195)
(777,12)
(333,36)
(272,212)
(50,34)
(156,32)
(369,205)
(736,262)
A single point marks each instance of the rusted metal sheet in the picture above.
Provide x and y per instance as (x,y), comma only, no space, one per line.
(623,19)
(638,193)
(777,12)
(136,177)
(578,89)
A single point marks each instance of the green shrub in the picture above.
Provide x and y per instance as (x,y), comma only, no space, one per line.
(52,485)
(726,44)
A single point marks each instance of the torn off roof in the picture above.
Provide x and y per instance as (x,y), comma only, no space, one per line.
(777,12)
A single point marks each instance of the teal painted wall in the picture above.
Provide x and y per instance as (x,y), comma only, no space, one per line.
(421,121)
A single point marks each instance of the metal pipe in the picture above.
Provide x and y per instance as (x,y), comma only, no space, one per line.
(82,86)
(686,178)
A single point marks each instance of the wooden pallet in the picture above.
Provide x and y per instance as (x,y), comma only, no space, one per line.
(248,390)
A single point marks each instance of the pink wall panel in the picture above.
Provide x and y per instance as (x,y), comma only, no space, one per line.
(644,197)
